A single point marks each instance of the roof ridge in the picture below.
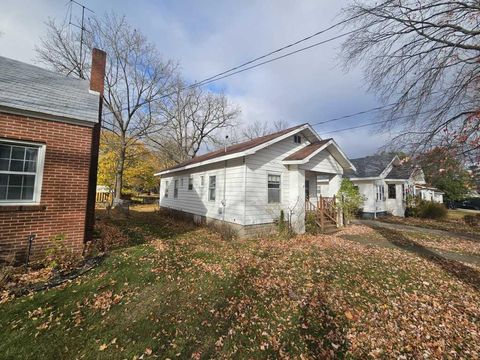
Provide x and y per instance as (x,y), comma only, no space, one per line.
(238,147)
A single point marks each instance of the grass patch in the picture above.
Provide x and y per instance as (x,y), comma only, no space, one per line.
(183,292)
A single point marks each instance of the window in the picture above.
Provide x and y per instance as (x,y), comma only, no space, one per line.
(211,188)
(392,191)
(273,189)
(166,189)
(21,167)
(202,180)
(190,183)
(175,189)
(380,193)
(297,139)
(307,189)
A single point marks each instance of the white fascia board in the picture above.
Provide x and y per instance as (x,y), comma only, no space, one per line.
(365,178)
(396,180)
(352,167)
(235,155)
(390,165)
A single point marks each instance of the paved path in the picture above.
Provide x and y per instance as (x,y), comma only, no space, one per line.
(402,227)
(412,246)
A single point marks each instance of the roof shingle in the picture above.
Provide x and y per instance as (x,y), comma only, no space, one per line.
(371,166)
(31,88)
(306,151)
(243,146)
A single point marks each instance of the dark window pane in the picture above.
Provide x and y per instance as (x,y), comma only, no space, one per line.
(5,151)
(31,154)
(29,180)
(16,165)
(15,180)
(27,193)
(3,192)
(273,196)
(30,166)
(18,152)
(3,179)
(14,193)
(4,164)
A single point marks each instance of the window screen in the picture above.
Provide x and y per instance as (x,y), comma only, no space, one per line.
(273,189)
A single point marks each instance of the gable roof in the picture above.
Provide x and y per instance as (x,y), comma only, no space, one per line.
(403,171)
(32,90)
(234,150)
(371,166)
(307,150)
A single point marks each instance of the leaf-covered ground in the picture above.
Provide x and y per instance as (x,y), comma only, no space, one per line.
(454,222)
(187,294)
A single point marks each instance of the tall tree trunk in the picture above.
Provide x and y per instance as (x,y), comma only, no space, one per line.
(119,170)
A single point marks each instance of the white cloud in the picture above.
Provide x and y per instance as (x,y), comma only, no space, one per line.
(208,37)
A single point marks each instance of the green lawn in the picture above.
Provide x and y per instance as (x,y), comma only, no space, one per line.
(182,292)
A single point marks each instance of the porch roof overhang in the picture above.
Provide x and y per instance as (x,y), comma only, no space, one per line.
(304,155)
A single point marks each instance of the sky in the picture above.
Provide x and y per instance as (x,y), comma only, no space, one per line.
(207,37)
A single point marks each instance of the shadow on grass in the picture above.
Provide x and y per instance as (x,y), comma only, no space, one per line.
(323,330)
(464,273)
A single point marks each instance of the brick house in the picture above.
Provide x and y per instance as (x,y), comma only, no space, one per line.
(49,137)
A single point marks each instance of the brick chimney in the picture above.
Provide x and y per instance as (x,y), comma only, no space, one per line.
(97,76)
(97,81)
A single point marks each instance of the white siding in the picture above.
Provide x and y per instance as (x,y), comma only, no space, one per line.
(323,162)
(196,201)
(396,206)
(264,162)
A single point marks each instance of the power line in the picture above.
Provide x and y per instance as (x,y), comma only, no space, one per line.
(383,121)
(280,49)
(217,78)
(357,127)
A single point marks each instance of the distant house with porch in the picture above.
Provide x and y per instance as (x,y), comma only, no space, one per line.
(429,193)
(385,182)
(247,185)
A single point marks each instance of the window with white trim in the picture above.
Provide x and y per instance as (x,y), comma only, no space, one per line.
(273,189)
(190,183)
(297,139)
(212,185)
(21,167)
(380,193)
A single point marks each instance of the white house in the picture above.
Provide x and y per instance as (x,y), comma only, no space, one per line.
(385,182)
(248,184)
(429,193)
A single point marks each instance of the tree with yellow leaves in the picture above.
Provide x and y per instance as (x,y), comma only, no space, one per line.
(140,165)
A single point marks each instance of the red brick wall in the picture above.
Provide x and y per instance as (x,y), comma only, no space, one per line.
(64,188)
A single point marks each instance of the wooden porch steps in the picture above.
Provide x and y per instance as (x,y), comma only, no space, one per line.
(325,212)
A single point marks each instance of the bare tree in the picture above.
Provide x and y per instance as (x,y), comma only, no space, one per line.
(261,128)
(424,56)
(136,76)
(192,118)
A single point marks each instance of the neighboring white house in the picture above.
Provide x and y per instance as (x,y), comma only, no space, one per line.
(385,182)
(429,193)
(248,184)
